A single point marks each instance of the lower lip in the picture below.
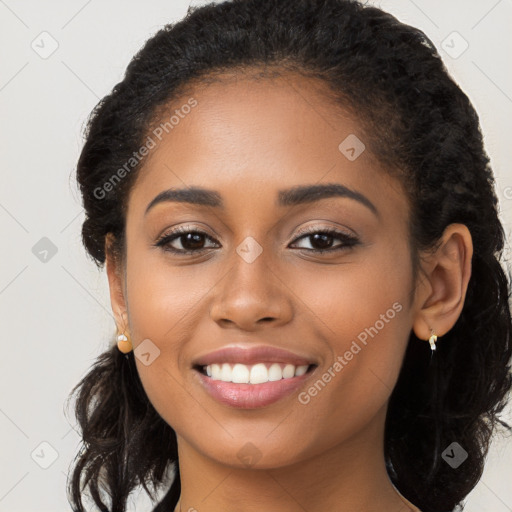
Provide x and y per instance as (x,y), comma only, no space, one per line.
(252,396)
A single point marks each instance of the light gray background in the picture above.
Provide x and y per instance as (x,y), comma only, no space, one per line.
(56,315)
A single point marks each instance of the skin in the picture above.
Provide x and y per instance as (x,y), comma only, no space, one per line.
(247,140)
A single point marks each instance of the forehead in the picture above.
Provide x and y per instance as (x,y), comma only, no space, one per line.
(249,138)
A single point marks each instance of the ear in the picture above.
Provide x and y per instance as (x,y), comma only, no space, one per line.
(441,293)
(116,284)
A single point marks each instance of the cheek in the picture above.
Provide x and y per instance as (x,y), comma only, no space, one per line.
(162,298)
(362,312)
(162,303)
(345,299)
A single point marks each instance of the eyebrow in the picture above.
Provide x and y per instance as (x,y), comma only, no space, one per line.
(297,195)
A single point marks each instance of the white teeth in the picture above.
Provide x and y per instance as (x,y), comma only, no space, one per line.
(255,374)
(259,374)
(275,373)
(301,370)
(215,368)
(240,374)
(225,372)
(289,371)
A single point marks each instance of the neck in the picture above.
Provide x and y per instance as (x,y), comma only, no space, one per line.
(349,476)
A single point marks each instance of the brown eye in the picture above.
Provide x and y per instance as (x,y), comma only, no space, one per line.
(184,241)
(322,240)
(192,241)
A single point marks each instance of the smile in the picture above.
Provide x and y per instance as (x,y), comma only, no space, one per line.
(253,374)
(262,384)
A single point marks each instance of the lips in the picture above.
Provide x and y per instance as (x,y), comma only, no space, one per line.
(252,396)
(257,393)
(252,355)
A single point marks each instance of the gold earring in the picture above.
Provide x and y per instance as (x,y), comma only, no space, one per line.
(124,344)
(432,340)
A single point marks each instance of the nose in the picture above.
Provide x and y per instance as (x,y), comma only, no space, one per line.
(250,296)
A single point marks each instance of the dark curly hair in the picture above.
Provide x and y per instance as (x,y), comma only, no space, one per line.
(420,125)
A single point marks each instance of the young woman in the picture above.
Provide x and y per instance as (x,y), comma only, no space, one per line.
(300,232)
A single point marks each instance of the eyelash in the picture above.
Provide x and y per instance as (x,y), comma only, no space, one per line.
(348,240)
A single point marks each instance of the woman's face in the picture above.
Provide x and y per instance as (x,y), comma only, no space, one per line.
(255,279)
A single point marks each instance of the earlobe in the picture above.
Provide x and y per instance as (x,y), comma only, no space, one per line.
(447,273)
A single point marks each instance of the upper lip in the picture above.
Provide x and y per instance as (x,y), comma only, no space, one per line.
(251,355)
